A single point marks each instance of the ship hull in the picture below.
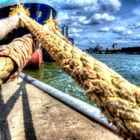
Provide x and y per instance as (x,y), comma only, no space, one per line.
(36,60)
(40,11)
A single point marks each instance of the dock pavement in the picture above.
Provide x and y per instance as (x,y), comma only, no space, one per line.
(27,113)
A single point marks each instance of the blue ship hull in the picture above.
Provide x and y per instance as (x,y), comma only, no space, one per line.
(39,11)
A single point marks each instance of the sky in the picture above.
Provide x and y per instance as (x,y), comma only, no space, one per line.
(101,21)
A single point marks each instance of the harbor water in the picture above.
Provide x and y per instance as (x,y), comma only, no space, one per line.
(50,73)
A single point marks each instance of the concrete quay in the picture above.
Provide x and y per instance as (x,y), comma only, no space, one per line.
(27,113)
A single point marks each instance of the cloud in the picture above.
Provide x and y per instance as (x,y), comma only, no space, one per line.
(136,37)
(92,5)
(75,30)
(121,41)
(122,30)
(74,35)
(85,21)
(62,18)
(81,19)
(136,11)
(119,29)
(87,18)
(90,11)
(92,41)
(74,4)
(128,32)
(97,19)
(103,5)
(69,18)
(104,29)
(101,18)
(66,17)
(110,5)
(134,26)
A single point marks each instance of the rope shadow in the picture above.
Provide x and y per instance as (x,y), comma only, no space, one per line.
(6,108)
(28,122)
(4,128)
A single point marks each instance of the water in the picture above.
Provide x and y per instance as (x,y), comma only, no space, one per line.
(127,65)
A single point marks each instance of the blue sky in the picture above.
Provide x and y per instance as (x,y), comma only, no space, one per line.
(101,21)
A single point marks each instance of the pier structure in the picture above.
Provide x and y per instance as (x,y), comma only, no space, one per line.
(28,113)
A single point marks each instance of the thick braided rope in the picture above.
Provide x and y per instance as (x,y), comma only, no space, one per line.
(19,8)
(118,99)
(20,50)
(6,68)
(7,25)
(10,23)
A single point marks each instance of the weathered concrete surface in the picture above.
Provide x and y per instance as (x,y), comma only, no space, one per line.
(27,113)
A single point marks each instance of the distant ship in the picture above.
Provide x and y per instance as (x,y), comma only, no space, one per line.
(40,11)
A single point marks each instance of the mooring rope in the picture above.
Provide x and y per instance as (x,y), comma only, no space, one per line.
(20,51)
(118,99)
(7,25)
(6,68)
(10,23)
